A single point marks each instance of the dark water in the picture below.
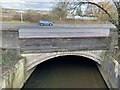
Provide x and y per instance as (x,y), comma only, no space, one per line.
(66,72)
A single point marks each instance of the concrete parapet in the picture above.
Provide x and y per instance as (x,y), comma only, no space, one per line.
(10,39)
(114,38)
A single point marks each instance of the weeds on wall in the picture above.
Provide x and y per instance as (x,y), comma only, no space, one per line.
(9,58)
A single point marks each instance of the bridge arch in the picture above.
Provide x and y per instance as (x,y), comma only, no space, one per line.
(47,56)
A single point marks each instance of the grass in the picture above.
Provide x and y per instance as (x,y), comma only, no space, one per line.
(13,22)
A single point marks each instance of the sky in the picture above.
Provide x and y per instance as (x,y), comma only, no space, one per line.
(30,4)
(27,4)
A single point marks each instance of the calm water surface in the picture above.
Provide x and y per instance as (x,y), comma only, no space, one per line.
(66,72)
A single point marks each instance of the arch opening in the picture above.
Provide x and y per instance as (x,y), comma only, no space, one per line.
(89,56)
(70,59)
(64,71)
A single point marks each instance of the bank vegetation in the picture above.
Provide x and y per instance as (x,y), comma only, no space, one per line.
(62,13)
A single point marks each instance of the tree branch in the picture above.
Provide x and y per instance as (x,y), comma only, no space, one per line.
(111,19)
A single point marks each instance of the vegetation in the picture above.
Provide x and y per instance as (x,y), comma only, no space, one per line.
(104,11)
(9,59)
(101,14)
(60,10)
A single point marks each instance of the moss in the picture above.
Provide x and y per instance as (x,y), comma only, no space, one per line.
(9,59)
(114,29)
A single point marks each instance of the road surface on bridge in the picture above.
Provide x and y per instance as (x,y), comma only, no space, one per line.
(62,30)
(45,33)
(56,26)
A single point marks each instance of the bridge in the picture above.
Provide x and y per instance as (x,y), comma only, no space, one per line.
(89,43)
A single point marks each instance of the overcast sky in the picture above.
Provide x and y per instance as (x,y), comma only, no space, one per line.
(30,4)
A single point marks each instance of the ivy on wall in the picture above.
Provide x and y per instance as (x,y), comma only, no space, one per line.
(9,58)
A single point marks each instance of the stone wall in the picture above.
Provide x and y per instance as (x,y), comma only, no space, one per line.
(109,70)
(29,45)
(110,65)
(10,39)
(119,80)
(14,77)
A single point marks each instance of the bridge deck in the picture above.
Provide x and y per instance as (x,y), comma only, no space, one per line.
(51,40)
(45,33)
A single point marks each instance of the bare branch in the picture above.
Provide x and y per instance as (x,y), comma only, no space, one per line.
(111,19)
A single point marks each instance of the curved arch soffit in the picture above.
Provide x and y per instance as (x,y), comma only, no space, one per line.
(51,56)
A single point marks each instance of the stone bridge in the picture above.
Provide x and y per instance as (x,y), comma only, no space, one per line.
(47,48)
(101,49)
(96,48)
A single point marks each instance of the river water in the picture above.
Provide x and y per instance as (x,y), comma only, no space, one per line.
(66,72)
